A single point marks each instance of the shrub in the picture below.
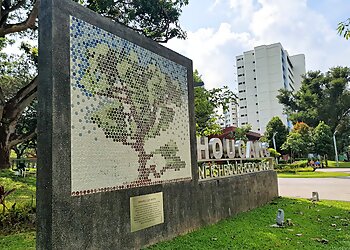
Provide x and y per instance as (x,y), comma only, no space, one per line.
(17,220)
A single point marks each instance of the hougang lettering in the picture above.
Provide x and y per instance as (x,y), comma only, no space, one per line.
(230,149)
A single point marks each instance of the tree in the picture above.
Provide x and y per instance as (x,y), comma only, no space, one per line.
(322,97)
(273,126)
(344,29)
(17,91)
(274,153)
(241,133)
(206,102)
(155,19)
(305,131)
(295,144)
(322,139)
(27,126)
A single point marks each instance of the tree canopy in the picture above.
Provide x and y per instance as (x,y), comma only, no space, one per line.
(273,126)
(206,103)
(241,133)
(322,139)
(295,144)
(322,97)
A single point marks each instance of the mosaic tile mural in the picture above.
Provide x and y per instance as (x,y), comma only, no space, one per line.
(129,114)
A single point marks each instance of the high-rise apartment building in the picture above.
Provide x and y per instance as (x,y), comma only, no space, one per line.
(261,73)
(230,116)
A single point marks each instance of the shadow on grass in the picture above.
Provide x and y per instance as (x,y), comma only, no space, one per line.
(29,179)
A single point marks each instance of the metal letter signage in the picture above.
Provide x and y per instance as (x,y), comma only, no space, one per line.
(229,157)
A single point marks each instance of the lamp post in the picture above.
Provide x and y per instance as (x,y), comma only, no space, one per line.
(274,143)
(335,149)
(273,139)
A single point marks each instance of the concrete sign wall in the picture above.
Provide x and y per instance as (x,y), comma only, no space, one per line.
(117,164)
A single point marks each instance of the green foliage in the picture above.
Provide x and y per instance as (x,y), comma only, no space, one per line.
(196,76)
(306,135)
(293,167)
(276,125)
(344,29)
(241,133)
(25,189)
(322,139)
(21,207)
(205,104)
(295,144)
(274,153)
(156,19)
(204,110)
(221,97)
(322,97)
(17,220)
(15,70)
(3,194)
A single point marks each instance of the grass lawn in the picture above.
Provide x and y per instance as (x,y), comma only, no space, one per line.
(322,225)
(333,164)
(25,188)
(311,174)
(18,241)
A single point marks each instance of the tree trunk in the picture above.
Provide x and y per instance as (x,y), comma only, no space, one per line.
(4,150)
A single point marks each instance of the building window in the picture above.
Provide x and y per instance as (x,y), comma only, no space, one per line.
(240,75)
(258,129)
(257,120)
(253,61)
(240,83)
(240,67)
(254,78)
(242,91)
(239,59)
(253,70)
(256,103)
(257,112)
(256,95)
(255,87)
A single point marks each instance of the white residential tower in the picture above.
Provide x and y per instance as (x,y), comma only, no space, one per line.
(261,73)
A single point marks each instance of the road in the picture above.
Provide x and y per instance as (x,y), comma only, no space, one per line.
(327,188)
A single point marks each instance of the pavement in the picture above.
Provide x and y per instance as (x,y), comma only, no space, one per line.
(344,170)
(327,188)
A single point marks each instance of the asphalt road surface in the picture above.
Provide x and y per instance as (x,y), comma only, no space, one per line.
(327,188)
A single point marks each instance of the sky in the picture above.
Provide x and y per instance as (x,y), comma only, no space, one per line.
(219,30)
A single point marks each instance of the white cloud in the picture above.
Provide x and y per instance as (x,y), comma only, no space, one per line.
(208,49)
(299,28)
